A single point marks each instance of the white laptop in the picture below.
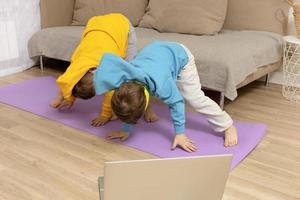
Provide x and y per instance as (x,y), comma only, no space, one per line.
(190,178)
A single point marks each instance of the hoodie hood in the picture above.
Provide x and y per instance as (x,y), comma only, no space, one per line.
(113,71)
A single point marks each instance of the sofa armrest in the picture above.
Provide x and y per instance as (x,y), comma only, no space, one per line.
(56,12)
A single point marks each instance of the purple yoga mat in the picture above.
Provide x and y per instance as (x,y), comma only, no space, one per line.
(35,95)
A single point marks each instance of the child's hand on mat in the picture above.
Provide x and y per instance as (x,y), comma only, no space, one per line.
(57,101)
(231,137)
(150,115)
(65,105)
(118,135)
(100,121)
(184,142)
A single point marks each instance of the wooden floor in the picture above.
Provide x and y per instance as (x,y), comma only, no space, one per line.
(42,159)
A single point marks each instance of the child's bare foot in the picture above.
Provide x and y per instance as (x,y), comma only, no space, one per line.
(55,103)
(231,137)
(150,115)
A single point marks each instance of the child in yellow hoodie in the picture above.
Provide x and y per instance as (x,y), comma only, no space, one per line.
(108,33)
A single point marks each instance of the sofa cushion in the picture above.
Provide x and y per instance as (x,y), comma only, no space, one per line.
(223,60)
(182,16)
(55,42)
(260,15)
(85,9)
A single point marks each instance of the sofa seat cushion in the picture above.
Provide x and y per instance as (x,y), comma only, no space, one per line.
(55,42)
(223,60)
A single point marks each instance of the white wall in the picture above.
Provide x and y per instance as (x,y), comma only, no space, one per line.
(19,19)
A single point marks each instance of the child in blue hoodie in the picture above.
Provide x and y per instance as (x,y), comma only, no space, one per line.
(166,70)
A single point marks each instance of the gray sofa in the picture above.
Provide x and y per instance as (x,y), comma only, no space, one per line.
(245,50)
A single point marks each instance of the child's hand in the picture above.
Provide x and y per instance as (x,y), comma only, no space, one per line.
(150,115)
(184,142)
(100,121)
(65,105)
(57,101)
(118,135)
(231,137)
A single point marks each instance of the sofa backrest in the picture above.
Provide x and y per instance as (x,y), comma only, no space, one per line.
(265,15)
(261,15)
(56,12)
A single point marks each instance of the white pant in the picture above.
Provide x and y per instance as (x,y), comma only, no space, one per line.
(190,87)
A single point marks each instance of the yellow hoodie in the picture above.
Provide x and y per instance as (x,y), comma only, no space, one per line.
(107,33)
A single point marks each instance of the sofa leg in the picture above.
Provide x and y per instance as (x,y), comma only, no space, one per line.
(267,78)
(222,99)
(41,64)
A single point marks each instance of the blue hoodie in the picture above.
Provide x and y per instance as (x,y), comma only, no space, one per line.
(157,66)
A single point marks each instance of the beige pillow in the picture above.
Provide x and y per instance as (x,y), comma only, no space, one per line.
(85,9)
(260,15)
(185,16)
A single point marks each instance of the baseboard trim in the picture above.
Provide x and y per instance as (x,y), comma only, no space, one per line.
(12,70)
(275,77)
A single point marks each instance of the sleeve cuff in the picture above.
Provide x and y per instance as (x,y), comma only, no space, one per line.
(127,128)
(71,98)
(179,130)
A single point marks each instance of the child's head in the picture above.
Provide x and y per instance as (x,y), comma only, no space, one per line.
(129,102)
(85,89)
